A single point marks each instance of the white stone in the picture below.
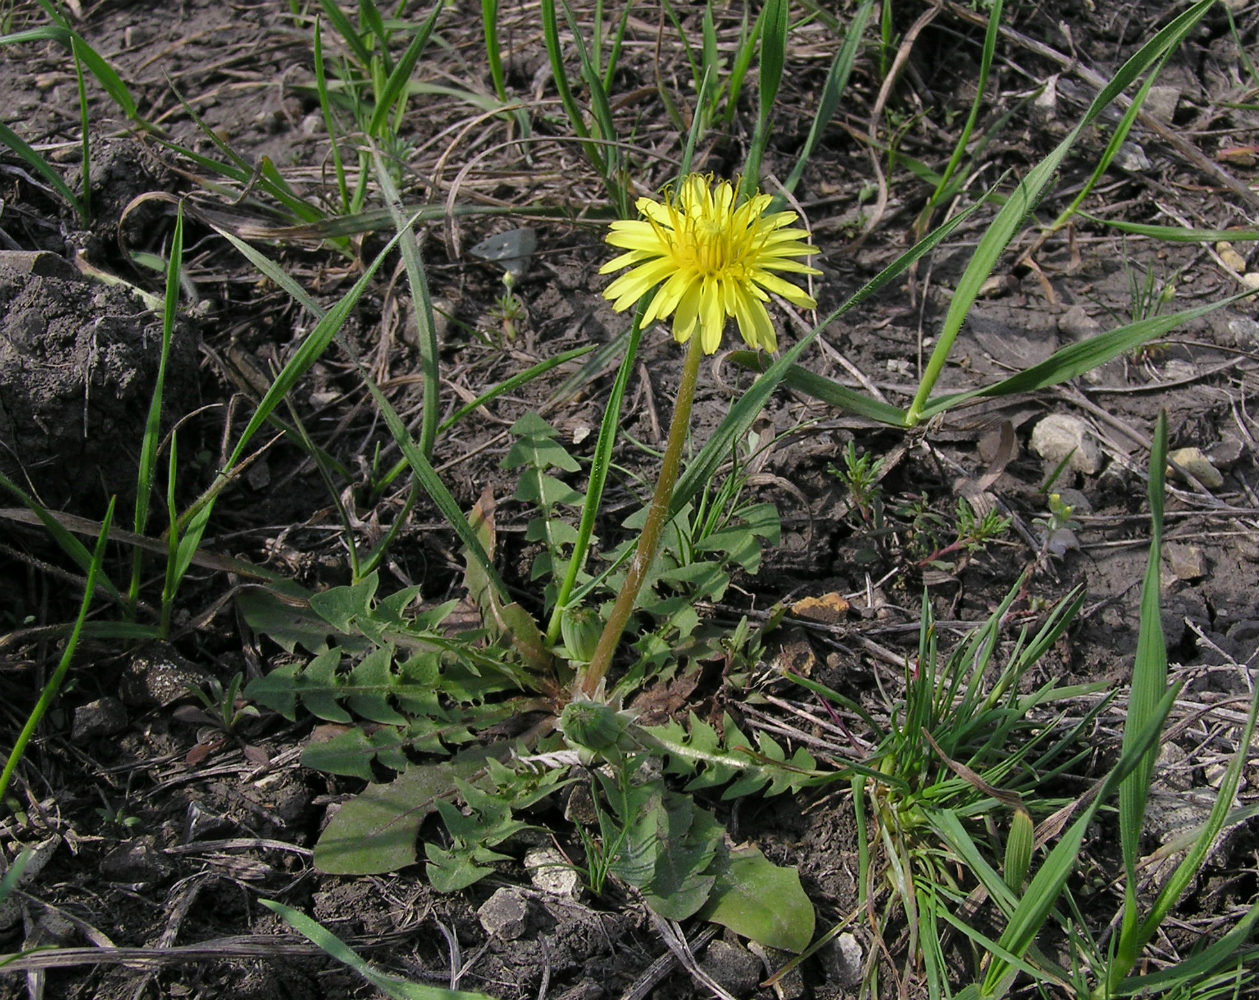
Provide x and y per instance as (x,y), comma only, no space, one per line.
(1161,102)
(844,961)
(1060,435)
(1194,462)
(1077,324)
(503,914)
(550,873)
(1187,562)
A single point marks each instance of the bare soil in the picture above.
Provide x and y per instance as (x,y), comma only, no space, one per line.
(159,833)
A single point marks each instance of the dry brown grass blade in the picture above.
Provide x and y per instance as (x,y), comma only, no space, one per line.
(225,949)
(893,74)
(86,526)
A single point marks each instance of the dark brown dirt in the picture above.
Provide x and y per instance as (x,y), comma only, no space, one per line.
(162,832)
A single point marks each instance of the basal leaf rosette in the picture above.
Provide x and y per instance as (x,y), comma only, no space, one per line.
(709,256)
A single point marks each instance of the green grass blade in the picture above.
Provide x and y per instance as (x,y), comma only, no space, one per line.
(1047,884)
(14,875)
(600,464)
(1175,234)
(614,54)
(1170,894)
(41,167)
(329,119)
(981,83)
(698,72)
(1029,192)
(395,86)
(555,53)
(994,948)
(349,34)
(1149,683)
(601,112)
(1117,138)
(773,59)
(273,272)
(833,89)
(1076,359)
(493,51)
(1238,945)
(147,467)
(827,391)
(742,62)
(513,383)
(434,487)
(863,840)
(264,175)
(1018,848)
(709,56)
(422,307)
(1188,869)
(369,17)
(85,143)
(950,829)
(391,986)
(59,674)
(707,86)
(65,540)
(193,522)
(508,385)
(170,583)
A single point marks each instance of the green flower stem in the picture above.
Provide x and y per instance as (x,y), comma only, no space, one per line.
(591,678)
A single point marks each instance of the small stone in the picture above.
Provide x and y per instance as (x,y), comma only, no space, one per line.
(1077,324)
(1177,370)
(503,914)
(580,806)
(1161,102)
(788,985)
(158,675)
(38,263)
(1234,261)
(103,717)
(1076,500)
(842,960)
(1187,562)
(1244,331)
(1131,157)
(1195,462)
(1251,280)
(733,968)
(1226,452)
(1246,548)
(1060,435)
(1173,768)
(997,286)
(550,873)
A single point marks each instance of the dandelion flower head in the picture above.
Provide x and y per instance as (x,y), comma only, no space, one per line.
(712,258)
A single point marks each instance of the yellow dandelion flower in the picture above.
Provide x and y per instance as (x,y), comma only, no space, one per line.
(712,258)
